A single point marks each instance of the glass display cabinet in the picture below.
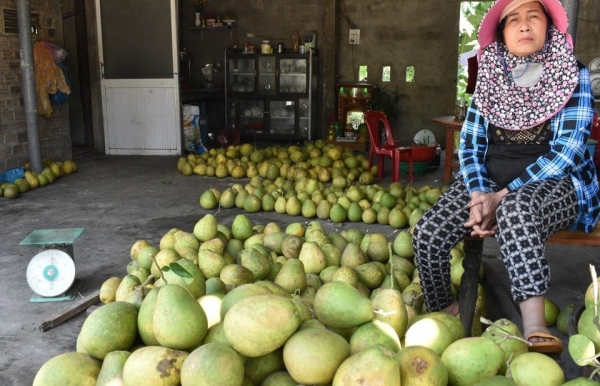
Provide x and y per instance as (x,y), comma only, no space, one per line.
(272,95)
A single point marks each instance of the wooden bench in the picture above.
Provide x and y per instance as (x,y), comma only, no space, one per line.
(473,248)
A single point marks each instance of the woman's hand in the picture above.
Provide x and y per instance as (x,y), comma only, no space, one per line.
(483,208)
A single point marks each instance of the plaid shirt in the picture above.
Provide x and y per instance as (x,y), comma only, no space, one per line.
(567,157)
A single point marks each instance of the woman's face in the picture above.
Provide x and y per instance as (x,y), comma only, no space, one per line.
(525,30)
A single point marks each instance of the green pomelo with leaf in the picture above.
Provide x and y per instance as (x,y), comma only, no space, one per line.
(188,275)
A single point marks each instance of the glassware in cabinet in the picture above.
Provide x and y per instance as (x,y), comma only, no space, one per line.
(293,75)
(241,74)
(251,115)
(282,117)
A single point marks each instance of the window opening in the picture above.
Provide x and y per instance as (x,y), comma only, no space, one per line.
(11,24)
(362,74)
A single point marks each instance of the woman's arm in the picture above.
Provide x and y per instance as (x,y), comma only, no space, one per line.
(571,127)
(472,150)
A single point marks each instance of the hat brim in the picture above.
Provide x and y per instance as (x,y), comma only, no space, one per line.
(487,30)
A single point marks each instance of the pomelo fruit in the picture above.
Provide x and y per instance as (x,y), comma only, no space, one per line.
(374,366)
(110,327)
(111,372)
(420,366)
(313,355)
(340,305)
(536,369)
(68,369)
(257,369)
(261,333)
(429,333)
(154,366)
(208,200)
(179,322)
(470,360)
(212,364)
(374,333)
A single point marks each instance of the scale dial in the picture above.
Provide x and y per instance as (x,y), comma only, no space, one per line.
(51,273)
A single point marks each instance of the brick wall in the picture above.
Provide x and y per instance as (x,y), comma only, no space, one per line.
(54,132)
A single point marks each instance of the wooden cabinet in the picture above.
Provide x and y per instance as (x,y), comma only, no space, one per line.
(272,96)
(351,101)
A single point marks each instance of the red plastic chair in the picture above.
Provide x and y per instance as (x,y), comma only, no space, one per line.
(374,121)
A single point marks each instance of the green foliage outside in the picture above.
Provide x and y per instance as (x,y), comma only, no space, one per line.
(471,15)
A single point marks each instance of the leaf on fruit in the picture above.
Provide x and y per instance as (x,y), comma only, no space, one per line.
(177,269)
(582,350)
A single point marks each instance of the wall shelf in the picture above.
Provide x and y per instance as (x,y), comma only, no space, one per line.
(215,27)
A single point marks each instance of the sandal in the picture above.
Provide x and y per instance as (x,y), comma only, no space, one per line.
(554,347)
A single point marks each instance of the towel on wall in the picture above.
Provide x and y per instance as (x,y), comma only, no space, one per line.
(49,78)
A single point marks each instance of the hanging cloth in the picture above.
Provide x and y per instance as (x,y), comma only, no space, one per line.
(49,78)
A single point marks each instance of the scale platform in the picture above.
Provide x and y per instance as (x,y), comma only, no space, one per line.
(51,272)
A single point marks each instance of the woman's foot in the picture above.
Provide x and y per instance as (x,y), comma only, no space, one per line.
(532,330)
(535,329)
(452,309)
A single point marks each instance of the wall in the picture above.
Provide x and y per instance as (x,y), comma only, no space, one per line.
(55,141)
(422,34)
(397,33)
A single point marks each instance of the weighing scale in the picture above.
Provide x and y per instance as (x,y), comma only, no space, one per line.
(51,273)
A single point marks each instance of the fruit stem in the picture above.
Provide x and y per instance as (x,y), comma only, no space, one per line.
(384,313)
(159,270)
(147,281)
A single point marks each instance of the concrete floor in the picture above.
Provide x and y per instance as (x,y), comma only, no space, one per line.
(120,199)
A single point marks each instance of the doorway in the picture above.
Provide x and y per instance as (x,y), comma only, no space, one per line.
(137,44)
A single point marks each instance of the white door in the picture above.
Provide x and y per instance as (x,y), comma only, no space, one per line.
(137,40)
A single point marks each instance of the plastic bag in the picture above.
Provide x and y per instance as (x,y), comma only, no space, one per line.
(191,130)
(11,175)
(58,53)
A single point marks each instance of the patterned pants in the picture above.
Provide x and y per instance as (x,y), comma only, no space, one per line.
(525,219)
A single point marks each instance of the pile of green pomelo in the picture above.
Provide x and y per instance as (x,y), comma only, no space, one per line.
(31,180)
(246,304)
(314,181)
(250,304)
